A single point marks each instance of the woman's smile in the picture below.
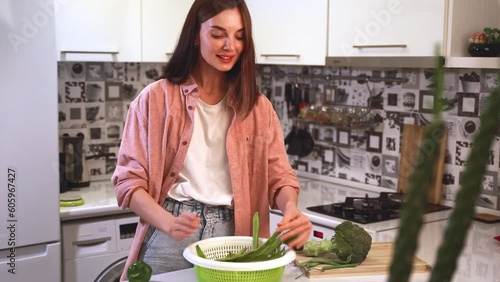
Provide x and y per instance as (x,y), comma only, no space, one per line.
(221,40)
(225,59)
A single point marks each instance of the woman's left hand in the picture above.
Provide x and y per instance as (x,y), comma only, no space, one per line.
(295,223)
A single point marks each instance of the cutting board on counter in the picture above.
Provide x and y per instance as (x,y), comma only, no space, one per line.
(411,140)
(377,262)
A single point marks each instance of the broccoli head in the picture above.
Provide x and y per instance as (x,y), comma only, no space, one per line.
(351,242)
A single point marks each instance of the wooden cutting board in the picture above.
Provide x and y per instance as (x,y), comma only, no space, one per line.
(377,262)
(487,218)
(410,144)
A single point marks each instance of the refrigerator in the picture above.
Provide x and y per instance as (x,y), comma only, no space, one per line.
(30,248)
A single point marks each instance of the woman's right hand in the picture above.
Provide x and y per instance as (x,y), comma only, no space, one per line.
(151,212)
(183,226)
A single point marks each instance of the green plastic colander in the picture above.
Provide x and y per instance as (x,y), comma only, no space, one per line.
(209,270)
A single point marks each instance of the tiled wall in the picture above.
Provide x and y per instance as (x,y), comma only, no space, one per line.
(94,98)
(371,156)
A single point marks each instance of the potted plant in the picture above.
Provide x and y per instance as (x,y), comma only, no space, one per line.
(485,44)
(471,83)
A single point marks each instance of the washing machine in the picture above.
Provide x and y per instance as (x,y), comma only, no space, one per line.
(95,250)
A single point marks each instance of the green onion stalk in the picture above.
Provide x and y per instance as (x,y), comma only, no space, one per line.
(463,212)
(417,196)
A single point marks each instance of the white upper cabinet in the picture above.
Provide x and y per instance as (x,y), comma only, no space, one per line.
(378,28)
(162,22)
(289,32)
(464,19)
(97,30)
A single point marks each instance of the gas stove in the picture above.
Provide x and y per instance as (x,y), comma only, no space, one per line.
(365,210)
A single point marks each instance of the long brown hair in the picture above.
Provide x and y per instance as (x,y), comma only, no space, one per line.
(243,74)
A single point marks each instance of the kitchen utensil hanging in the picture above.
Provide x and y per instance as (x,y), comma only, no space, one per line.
(299,142)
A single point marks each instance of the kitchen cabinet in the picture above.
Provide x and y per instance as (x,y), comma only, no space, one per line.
(464,19)
(117,30)
(95,30)
(289,32)
(148,30)
(384,28)
(162,22)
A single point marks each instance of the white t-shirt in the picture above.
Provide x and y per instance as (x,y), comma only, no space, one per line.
(205,175)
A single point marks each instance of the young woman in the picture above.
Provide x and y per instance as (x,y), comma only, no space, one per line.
(202,149)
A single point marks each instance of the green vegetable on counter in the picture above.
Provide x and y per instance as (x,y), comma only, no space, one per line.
(316,248)
(139,271)
(347,248)
(330,263)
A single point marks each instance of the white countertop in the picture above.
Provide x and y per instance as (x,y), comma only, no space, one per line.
(99,200)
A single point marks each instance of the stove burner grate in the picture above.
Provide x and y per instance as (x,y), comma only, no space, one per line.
(367,209)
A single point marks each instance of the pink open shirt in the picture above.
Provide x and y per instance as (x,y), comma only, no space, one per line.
(156,136)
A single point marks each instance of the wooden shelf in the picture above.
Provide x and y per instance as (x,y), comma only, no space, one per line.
(472,62)
(361,126)
(466,17)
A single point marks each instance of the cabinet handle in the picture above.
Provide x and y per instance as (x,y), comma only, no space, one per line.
(91,242)
(169,53)
(89,52)
(280,55)
(380,46)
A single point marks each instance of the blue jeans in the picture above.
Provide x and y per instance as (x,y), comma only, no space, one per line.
(164,254)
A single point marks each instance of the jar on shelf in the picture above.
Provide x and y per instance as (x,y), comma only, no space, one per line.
(323,115)
(311,112)
(338,116)
(308,113)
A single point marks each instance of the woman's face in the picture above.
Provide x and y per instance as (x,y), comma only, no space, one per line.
(221,39)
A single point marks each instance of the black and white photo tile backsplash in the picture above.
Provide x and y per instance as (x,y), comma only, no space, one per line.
(371,156)
(94,98)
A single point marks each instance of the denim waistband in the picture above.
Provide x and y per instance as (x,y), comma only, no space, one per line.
(200,209)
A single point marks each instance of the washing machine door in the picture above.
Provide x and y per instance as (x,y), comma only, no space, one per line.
(113,272)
